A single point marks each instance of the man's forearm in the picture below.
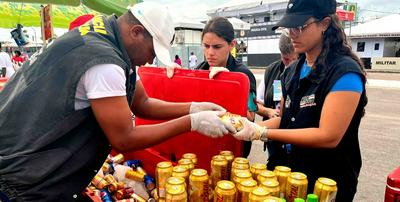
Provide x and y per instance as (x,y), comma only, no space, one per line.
(159,109)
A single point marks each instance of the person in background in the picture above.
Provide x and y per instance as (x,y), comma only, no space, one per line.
(267,102)
(218,41)
(72,101)
(324,99)
(192,60)
(18,58)
(178,60)
(269,90)
(6,66)
(242,47)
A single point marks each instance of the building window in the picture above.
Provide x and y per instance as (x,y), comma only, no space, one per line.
(376,46)
(360,46)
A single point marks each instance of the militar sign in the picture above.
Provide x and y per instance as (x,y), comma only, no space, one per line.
(386,63)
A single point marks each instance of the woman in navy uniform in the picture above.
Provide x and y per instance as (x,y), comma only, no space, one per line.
(218,41)
(323,100)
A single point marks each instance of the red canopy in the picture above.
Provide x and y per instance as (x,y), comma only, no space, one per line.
(80,21)
(345,15)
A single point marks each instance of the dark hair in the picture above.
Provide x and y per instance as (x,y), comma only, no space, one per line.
(132,20)
(0,46)
(335,43)
(17,52)
(176,57)
(221,27)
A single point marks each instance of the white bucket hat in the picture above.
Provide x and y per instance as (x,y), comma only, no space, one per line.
(158,22)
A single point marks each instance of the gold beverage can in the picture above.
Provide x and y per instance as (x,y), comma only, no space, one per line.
(175,181)
(273,199)
(238,167)
(266,175)
(187,163)
(176,193)
(325,189)
(163,172)
(296,186)
(113,187)
(258,194)
(134,175)
(117,159)
(110,179)
(119,194)
(99,182)
(241,176)
(229,157)
(282,173)
(106,168)
(190,156)
(199,188)
(240,160)
(141,170)
(272,187)
(244,188)
(181,171)
(225,191)
(257,168)
(121,185)
(219,169)
(234,119)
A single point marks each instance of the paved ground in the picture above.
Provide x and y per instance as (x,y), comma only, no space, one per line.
(379,136)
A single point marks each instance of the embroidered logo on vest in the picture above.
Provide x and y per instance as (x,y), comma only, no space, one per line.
(308,101)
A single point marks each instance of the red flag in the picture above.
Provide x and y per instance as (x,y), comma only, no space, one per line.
(80,21)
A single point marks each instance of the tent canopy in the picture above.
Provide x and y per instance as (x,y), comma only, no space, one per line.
(27,12)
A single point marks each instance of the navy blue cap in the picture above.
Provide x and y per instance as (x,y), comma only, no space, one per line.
(299,11)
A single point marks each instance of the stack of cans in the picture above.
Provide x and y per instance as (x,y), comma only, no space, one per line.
(230,180)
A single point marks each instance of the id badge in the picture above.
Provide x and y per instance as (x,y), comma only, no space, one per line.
(277,90)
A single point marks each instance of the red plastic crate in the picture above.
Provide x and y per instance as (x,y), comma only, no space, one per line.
(392,193)
(227,89)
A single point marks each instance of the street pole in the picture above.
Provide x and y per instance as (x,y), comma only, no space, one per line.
(34,38)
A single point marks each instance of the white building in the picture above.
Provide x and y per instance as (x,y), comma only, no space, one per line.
(187,39)
(377,41)
(261,41)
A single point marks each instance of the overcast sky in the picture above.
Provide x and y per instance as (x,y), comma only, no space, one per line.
(196,9)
